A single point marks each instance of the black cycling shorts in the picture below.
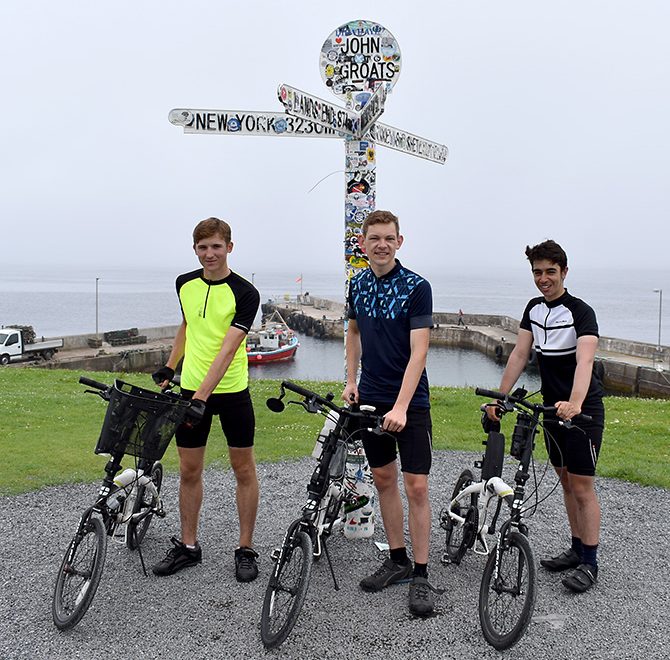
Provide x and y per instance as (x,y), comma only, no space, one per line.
(576,448)
(414,443)
(236,414)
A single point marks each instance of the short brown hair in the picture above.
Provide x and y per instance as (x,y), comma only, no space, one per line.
(549,250)
(379,218)
(211,227)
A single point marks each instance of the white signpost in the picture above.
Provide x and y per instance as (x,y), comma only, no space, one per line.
(360,63)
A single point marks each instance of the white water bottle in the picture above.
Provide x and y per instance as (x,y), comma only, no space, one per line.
(124,481)
(328,425)
(360,523)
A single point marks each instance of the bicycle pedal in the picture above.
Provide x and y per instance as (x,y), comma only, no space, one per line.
(274,555)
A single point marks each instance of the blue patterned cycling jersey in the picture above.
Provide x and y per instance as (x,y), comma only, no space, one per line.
(386,309)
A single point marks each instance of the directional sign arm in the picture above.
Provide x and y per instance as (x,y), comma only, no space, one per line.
(373,109)
(243,122)
(318,111)
(408,143)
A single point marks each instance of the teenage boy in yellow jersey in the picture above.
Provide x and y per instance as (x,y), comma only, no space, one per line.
(218,308)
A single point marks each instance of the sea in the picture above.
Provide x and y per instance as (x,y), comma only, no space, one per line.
(68,300)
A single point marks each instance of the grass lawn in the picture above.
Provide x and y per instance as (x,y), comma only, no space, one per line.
(49,427)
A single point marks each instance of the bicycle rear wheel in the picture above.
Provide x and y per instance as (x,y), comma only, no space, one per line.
(286,591)
(79,574)
(144,502)
(460,537)
(507,593)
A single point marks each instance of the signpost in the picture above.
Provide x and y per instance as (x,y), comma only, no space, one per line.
(360,63)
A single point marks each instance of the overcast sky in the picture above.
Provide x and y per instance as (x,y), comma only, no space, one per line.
(555,114)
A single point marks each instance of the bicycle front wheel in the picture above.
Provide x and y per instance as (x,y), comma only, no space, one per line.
(287,589)
(507,593)
(79,574)
(144,503)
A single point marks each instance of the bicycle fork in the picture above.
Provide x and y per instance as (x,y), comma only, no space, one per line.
(495,487)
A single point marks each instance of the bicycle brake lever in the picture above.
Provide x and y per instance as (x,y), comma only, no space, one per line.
(311,406)
(569,423)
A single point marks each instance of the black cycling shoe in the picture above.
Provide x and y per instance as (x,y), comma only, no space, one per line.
(387,574)
(177,558)
(421,599)
(582,578)
(567,559)
(246,568)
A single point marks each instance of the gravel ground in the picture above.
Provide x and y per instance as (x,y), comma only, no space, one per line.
(203,612)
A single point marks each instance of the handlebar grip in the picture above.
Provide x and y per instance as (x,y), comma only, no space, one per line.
(492,394)
(93,383)
(290,385)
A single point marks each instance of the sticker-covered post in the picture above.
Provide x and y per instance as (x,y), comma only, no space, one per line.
(360,63)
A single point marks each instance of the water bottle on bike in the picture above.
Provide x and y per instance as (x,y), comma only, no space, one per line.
(360,522)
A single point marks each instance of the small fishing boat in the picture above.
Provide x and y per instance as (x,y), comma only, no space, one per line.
(274,341)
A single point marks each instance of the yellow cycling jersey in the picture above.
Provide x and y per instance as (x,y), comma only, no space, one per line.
(210,308)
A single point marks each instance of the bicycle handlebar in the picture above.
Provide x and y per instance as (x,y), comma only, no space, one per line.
(515,400)
(316,399)
(89,382)
(519,401)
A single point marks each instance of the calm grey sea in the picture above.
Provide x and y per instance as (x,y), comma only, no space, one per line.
(62,301)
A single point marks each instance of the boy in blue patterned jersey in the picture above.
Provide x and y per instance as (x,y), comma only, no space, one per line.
(563,331)
(390,312)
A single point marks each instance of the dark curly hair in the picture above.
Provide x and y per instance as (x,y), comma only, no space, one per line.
(549,250)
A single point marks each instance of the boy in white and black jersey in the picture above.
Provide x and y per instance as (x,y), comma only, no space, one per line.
(563,331)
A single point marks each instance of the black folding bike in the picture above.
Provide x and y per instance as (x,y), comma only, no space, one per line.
(138,423)
(330,493)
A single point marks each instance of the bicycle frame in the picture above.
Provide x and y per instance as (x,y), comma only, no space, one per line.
(493,489)
(496,489)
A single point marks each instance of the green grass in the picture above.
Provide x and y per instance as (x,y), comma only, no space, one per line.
(49,427)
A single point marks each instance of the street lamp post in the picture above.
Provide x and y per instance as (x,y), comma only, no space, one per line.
(96,307)
(660,311)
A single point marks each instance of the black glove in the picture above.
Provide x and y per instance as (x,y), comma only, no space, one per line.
(489,425)
(164,373)
(196,411)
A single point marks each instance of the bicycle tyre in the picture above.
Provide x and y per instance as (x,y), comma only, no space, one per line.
(286,590)
(506,603)
(460,537)
(79,575)
(136,531)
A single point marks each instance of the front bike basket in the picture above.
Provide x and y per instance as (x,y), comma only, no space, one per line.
(139,422)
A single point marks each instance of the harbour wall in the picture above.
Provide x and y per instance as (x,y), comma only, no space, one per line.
(627,366)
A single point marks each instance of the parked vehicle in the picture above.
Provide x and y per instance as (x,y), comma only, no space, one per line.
(15,344)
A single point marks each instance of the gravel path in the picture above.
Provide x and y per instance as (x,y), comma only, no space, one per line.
(203,612)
